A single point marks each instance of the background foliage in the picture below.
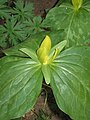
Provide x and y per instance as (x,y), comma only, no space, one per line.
(19,22)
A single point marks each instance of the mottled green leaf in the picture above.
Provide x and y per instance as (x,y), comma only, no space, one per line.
(76,24)
(20,85)
(70,82)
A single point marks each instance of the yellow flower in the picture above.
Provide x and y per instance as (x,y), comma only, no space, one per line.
(77,4)
(44,50)
(45,54)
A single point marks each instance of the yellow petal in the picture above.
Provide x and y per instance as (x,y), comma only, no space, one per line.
(54,55)
(42,55)
(77,4)
(46,44)
(44,50)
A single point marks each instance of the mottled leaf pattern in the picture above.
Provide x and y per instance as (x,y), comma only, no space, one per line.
(20,85)
(70,82)
(76,24)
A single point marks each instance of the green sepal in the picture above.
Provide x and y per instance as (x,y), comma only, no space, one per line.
(46,73)
(58,46)
(30,53)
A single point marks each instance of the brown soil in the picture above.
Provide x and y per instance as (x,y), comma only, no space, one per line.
(40,6)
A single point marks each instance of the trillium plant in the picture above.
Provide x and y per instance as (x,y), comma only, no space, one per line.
(67,72)
(66,69)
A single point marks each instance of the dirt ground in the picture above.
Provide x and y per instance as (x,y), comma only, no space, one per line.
(41,5)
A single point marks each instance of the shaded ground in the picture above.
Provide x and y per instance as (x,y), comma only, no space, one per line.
(41,5)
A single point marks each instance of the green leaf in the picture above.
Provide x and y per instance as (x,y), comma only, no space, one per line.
(76,24)
(86,5)
(23,10)
(70,82)
(2,2)
(12,32)
(20,85)
(4,9)
(34,25)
